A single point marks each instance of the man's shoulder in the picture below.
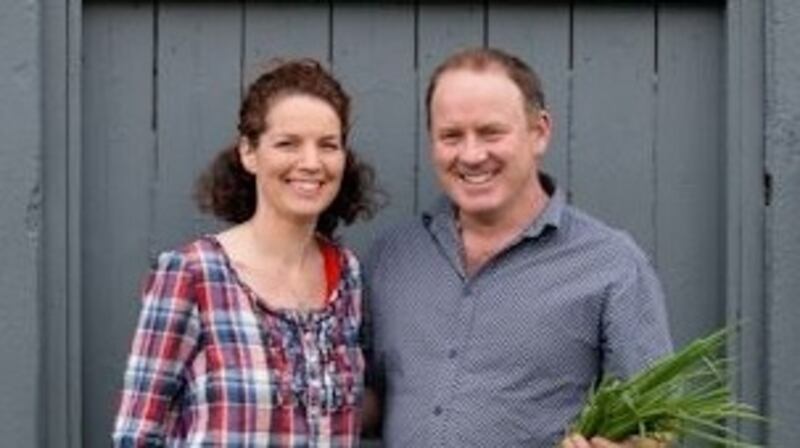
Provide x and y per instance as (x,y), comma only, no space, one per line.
(593,234)
(401,232)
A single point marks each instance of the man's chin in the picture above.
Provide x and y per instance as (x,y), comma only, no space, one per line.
(477,209)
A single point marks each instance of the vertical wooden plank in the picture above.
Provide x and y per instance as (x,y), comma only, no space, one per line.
(56,54)
(745,209)
(282,30)
(373,55)
(782,144)
(442,29)
(540,36)
(198,91)
(74,231)
(613,174)
(689,174)
(20,222)
(118,156)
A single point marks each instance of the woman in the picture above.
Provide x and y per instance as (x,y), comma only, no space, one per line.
(250,337)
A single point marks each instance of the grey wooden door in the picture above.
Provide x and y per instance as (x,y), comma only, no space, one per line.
(636,89)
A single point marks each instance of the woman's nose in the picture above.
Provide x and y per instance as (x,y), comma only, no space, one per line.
(309,157)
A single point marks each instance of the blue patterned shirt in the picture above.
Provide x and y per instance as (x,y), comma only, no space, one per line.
(507,356)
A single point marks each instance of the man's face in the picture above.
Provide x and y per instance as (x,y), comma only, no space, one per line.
(486,144)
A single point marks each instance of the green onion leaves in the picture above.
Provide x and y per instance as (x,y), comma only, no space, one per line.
(682,395)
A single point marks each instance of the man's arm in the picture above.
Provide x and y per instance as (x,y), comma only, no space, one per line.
(635,334)
(635,330)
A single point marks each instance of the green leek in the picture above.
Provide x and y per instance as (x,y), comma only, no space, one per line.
(683,395)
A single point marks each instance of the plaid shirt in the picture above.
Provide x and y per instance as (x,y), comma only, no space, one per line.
(212,366)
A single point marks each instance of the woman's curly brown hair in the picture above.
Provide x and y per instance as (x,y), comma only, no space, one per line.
(228,191)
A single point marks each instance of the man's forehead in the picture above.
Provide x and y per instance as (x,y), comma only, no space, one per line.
(459,89)
(493,70)
(468,81)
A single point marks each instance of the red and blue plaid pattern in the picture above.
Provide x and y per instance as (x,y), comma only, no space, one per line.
(211,366)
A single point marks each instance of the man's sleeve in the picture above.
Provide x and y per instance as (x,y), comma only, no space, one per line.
(635,330)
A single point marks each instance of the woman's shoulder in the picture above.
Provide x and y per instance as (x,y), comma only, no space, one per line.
(195,257)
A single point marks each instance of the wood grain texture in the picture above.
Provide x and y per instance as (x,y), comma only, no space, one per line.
(119,154)
(783,234)
(689,164)
(373,56)
(612,126)
(20,221)
(284,30)
(199,57)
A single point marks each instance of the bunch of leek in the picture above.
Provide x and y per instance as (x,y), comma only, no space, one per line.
(683,395)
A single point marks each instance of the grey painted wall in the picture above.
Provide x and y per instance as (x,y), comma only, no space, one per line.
(61,172)
(44,322)
(744,201)
(20,223)
(636,92)
(783,220)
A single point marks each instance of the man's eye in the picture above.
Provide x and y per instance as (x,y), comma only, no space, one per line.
(450,137)
(491,135)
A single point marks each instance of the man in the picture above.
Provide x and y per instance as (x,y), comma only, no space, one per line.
(495,313)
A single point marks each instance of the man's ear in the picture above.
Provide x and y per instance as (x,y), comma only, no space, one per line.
(541,128)
(247,155)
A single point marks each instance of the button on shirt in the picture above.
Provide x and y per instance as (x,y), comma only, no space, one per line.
(505,357)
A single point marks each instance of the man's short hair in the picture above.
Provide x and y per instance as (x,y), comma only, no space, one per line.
(482,59)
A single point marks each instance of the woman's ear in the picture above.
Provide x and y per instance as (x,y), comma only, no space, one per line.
(247,155)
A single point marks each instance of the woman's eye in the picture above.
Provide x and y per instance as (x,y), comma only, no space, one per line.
(330,146)
(284,144)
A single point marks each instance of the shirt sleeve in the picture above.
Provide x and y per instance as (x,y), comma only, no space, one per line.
(635,328)
(166,336)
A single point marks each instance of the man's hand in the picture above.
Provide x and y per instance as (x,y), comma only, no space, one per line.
(578,441)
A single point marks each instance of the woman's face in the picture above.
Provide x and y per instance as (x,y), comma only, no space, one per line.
(299,160)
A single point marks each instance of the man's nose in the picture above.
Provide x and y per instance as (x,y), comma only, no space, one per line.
(473,151)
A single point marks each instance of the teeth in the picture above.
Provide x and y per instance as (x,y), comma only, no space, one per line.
(479,178)
(306,185)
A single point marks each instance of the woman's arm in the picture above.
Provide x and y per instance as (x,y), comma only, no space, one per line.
(165,338)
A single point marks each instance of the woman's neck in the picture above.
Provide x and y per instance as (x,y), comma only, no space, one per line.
(278,260)
(280,240)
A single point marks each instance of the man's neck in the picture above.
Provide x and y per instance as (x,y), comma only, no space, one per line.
(483,237)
